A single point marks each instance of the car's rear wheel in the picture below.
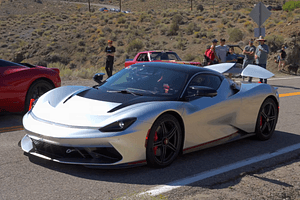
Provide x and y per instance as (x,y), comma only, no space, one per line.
(266,119)
(164,141)
(36,90)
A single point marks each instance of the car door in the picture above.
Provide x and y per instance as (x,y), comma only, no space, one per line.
(209,119)
(9,90)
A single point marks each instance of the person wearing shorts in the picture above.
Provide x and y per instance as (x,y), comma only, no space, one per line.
(282,57)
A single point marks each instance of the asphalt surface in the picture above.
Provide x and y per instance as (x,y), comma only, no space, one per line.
(23,177)
(94,4)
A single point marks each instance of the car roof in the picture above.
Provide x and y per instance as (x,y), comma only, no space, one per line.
(189,69)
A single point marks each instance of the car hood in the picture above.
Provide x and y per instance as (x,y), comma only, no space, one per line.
(83,106)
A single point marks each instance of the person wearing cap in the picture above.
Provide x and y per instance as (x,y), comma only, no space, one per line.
(261,55)
(110,53)
(222,50)
(249,52)
(282,56)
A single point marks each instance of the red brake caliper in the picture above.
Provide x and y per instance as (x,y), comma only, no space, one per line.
(155,139)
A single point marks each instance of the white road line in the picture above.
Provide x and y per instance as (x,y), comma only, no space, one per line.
(283,78)
(197,177)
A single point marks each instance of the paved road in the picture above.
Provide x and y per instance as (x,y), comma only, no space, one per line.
(23,177)
(93,4)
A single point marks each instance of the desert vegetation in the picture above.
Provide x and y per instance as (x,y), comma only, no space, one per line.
(69,37)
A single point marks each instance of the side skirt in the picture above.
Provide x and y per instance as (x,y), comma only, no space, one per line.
(232,137)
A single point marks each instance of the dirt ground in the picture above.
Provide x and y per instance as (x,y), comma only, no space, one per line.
(278,182)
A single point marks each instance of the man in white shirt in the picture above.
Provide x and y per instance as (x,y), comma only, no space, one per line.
(222,50)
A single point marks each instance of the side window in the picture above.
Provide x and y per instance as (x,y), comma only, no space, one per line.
(146,57)
(208,80)
(213,81)
(142,57)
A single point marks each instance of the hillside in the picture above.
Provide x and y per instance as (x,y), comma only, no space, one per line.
(68,36)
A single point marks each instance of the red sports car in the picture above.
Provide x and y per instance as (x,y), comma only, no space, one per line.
(21,82)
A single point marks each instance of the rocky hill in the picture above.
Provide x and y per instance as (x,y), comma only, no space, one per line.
(69,36)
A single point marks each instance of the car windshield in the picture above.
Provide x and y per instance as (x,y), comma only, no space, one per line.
(143,80)
(164,56)
(4,63)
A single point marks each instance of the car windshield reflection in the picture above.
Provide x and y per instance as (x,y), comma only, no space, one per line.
(164,56)
(146,81)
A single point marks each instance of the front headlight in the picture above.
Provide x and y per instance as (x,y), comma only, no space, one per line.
(120,125)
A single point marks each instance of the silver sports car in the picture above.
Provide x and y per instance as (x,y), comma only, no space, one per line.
(149,114)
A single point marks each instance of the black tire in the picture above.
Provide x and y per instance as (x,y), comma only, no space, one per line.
(36,90)
(266,120)
(164,141)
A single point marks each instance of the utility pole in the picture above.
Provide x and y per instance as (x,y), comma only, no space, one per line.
(120,5)
(89,5)
(191,4)
(214,5)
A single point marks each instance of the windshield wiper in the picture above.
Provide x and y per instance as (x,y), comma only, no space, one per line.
(125,92)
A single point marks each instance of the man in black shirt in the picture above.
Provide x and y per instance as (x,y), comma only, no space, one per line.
(110,53)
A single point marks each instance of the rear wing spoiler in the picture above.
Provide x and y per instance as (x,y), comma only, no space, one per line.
(254,71)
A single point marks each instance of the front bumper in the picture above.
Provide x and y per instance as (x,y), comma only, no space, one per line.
(70,154)
(84,146)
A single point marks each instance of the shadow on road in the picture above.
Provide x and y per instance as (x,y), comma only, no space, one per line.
(10,121)
(190,164)
(285,86)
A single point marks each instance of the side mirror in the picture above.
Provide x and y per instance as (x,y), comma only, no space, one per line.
(204,91)
(98,78)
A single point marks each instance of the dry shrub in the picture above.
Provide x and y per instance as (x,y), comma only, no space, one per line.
(274,42)
(134,46)
(235,34)
(270,24)
(179,45)
(173,29)
(189,57)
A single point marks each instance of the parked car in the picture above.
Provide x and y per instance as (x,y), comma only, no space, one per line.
(149,113)
(21,82)
(158,56)
(276,8)
(104,9)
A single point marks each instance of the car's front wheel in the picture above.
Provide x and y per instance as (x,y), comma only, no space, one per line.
(266,119)
(36,90)
(164,141)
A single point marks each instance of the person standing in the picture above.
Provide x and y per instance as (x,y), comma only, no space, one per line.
(249,52)
(222,50)
(282,58)
(213,48)
(261,55)
(210,53)
(110,53)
